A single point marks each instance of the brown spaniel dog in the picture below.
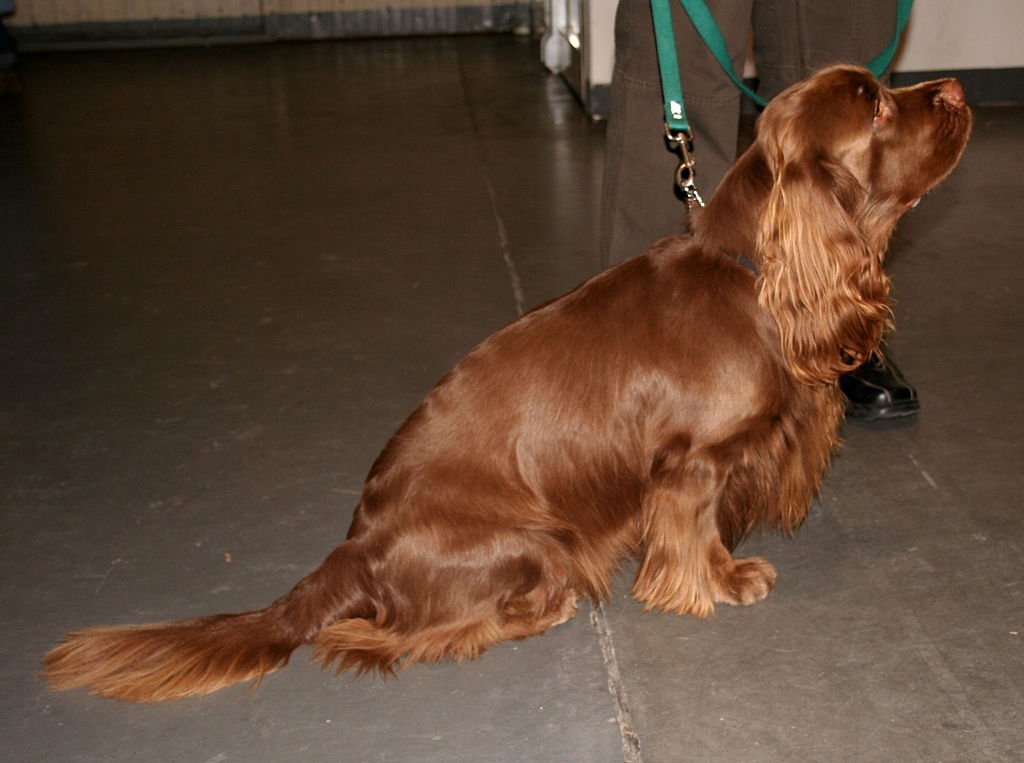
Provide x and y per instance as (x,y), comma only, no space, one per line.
(664,408)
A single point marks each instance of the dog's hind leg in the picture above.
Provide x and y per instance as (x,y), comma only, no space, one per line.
(523,597)
(685,567)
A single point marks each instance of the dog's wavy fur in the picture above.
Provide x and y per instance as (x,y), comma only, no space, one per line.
(664,408)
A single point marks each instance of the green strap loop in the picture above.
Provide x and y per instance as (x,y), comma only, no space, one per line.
(880,63)
(707,28)
(671,87)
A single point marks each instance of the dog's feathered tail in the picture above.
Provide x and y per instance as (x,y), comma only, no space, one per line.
(171,660)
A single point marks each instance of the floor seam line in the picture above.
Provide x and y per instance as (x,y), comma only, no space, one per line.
(623,716)
(504,244)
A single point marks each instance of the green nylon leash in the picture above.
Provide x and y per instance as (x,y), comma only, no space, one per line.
(677,127)
(668,64)
(707,28)
(881,62)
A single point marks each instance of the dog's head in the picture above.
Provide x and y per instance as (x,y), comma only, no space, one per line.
(847,158)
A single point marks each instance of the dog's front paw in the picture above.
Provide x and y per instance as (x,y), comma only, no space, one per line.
(746,581)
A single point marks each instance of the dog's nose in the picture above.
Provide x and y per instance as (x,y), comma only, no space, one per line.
(951,92)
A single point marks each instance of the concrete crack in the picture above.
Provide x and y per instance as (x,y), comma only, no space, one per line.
(504,246)
(627,731)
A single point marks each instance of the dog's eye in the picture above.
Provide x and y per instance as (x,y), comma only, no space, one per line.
(879,114)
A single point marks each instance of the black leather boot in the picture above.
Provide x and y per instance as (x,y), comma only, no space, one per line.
(878,390)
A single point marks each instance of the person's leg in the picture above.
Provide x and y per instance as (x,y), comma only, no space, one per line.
(712,100)
(639,201)
(846,31)
(9,84)
(793,38)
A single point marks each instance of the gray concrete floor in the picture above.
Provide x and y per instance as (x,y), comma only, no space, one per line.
(229,274)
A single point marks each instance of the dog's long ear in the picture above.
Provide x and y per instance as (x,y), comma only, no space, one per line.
(820,279)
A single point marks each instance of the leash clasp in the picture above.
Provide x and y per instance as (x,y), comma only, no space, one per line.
(682,141)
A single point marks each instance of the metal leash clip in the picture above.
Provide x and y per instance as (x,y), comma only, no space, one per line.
(683,142)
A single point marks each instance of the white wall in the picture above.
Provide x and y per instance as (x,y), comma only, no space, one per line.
(953,34)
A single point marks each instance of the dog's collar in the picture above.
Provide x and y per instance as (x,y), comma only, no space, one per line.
(744,261)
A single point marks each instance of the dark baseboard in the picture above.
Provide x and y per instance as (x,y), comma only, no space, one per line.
(384,22)
(982,86)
